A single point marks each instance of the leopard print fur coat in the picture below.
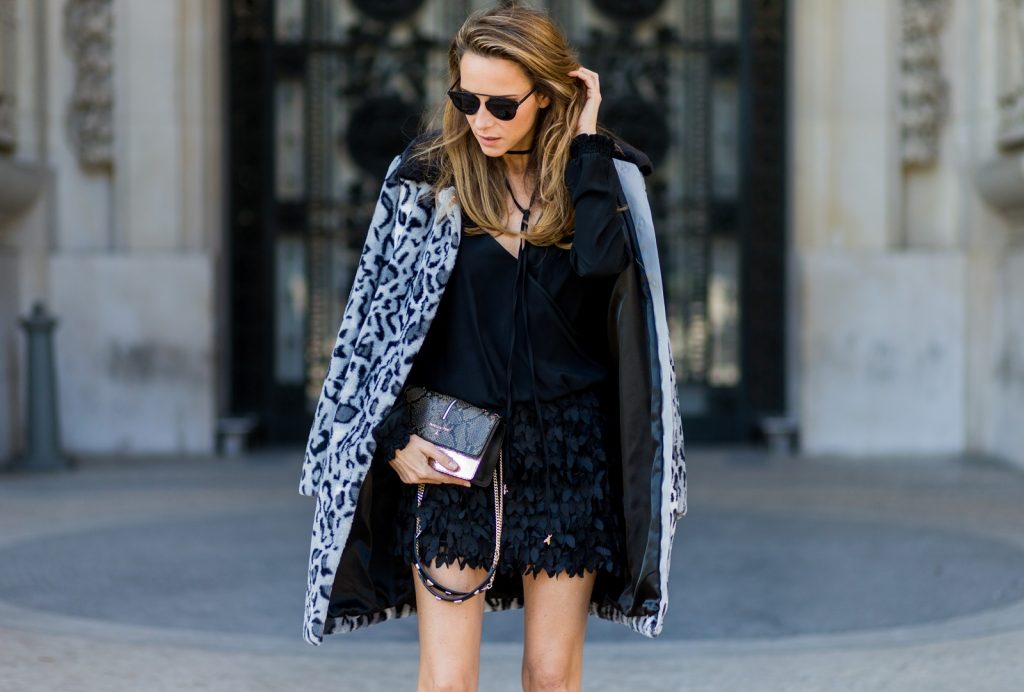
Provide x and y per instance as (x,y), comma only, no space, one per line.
(408,255)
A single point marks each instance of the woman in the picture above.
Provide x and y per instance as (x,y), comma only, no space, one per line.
(552,315)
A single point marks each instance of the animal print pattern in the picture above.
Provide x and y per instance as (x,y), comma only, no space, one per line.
(673,486)
(402,272)
(363,289)
(678,499)
(407,258)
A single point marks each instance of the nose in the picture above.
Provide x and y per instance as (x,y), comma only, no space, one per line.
(483,117)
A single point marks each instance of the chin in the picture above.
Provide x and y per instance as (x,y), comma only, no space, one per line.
(493,152)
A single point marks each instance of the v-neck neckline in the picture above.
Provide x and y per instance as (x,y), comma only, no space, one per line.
(501,247)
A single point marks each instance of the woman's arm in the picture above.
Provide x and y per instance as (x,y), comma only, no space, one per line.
(599,246)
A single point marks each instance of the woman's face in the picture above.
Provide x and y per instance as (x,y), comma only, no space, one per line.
(485,77)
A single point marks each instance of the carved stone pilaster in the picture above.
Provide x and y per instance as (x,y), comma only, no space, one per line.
(8,70)
(1011,73)
(923,88)
(88,32)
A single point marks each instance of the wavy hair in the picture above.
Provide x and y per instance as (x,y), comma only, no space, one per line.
(531,39)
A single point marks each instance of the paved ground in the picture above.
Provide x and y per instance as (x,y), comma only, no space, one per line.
(789,574)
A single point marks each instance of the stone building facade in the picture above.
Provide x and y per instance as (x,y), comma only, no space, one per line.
(904,304)
(907,232)
(110,213)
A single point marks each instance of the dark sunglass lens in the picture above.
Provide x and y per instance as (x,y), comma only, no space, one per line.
(465,102)
(502,109)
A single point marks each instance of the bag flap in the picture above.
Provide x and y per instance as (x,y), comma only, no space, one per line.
(450,422)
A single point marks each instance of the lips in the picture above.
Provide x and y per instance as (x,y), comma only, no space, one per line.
(489,140)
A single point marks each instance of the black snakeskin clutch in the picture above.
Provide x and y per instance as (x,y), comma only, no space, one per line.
(469,434)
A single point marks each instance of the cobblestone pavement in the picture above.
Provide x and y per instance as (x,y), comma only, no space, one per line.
(789,574)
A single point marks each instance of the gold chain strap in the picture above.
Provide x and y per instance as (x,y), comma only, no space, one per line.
(443,593)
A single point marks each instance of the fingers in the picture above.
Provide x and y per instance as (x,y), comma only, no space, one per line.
(588,116)
(590,78)
(432,451)
(413,463)
(436,476)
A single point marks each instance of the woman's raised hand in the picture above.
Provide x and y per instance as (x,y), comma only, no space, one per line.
(588,116)
(412,463)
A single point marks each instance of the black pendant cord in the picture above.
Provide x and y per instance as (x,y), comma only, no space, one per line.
(521,286)
(525,212)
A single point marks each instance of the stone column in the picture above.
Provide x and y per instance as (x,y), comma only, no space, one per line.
(1011,73)
(7,76)
(23,207)
(881,324)
(133,274)
(997,245)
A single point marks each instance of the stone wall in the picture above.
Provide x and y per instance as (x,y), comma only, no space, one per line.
(122,107)
(910,290)
(25,193)
(907,218)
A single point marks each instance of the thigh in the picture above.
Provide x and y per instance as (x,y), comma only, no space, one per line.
(555,615)
(449,633)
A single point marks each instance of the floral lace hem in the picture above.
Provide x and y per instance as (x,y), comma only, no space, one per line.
(580,530)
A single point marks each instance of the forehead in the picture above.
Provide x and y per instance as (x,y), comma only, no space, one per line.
(494,76)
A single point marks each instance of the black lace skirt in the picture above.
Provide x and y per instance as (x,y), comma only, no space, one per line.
(582,517)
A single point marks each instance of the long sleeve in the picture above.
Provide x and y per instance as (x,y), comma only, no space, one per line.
(392,433)
(600,246)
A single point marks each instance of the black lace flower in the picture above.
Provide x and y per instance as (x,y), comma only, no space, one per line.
(583,521)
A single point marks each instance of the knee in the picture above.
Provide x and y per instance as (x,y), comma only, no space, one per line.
(447,681)
(550,675)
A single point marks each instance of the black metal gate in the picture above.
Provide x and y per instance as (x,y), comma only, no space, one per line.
(323,93)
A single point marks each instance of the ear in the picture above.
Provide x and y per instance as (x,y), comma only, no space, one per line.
(543,101)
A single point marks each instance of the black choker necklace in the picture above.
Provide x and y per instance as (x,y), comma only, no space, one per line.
(519,151)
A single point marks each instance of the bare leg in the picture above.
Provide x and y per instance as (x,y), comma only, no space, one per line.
(555,614)
(449,632)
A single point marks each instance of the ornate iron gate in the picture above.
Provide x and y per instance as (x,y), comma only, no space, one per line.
(323,93)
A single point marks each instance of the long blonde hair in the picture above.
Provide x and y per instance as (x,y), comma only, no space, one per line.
(529,38)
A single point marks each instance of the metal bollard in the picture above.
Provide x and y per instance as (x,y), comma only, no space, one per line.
(234,432)
(780,433)
(43,434)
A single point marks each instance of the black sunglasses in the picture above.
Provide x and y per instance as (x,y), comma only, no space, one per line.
(501,107)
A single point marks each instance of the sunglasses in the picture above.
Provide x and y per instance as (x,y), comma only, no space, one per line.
(501,107)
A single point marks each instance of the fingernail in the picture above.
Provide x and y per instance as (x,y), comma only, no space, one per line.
(452,465)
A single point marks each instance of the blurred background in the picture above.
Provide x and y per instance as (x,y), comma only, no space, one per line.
(838,194)
(185,189)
